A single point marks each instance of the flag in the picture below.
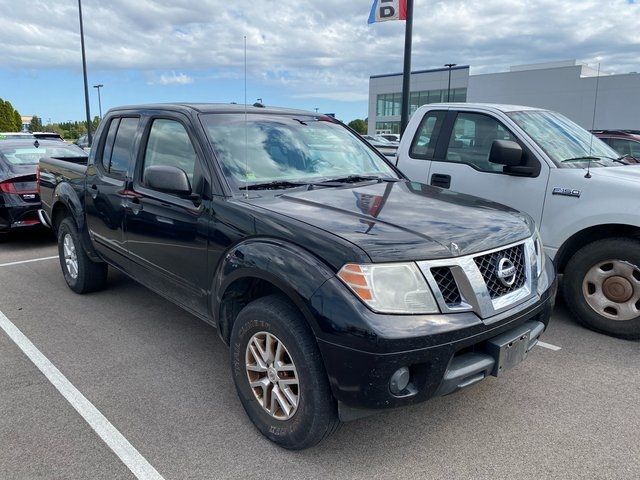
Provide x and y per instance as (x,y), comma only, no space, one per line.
(385,10)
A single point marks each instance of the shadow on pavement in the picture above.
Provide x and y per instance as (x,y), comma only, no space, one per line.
(31,237)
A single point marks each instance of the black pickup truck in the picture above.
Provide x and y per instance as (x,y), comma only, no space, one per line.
(341,287)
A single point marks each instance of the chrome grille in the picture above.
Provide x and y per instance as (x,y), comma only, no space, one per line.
(488,266)
(447,285)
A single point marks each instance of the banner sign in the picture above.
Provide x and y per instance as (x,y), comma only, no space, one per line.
(386,10)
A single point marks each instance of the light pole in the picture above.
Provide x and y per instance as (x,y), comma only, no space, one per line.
(450,65)
(84,71)
(98,87)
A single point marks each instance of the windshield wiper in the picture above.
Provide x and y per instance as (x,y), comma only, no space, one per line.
(358,179)
(577,159)
(276,185)
(624,159)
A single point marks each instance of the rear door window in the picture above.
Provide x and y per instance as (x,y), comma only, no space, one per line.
(424,143)
(119,145)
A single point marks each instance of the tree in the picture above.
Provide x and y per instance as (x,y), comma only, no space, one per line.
(359,126)
(8,117)
(17,121)
(36,124)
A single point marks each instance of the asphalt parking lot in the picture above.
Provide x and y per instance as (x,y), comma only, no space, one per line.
(161,377)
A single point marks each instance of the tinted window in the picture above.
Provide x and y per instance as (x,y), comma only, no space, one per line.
(108,144)
(123,147)
(169,144)
(472,138)
(625,147)
(424,144)
(267,148)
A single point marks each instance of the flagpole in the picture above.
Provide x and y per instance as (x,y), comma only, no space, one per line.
(406,79)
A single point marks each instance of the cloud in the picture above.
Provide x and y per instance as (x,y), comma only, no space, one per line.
(323,45)
(172,78)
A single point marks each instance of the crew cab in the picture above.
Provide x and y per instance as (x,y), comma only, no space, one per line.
(341,287)
(580,192)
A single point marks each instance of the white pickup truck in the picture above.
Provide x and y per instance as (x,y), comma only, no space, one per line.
(584,198)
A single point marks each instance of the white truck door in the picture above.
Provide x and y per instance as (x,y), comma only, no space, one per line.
(461,164)
(415,155)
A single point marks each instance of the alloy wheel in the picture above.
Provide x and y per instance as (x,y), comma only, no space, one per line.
(70,257)
(272,375)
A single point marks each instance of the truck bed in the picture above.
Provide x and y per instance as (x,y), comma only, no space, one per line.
(56,171)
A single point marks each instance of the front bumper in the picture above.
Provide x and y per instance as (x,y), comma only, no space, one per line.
(443,352)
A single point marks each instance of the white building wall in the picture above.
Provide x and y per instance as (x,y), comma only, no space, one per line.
(565,87)
(565,90)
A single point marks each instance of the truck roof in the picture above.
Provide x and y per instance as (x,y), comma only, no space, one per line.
(215,108)
(486,106)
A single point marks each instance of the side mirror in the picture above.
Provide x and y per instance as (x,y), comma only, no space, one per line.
(506,152)
(167,179)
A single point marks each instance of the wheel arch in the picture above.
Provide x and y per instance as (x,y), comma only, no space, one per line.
(66,203)
(258,268)
(589,235)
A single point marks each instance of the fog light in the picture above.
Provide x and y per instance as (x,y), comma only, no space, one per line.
(399,380)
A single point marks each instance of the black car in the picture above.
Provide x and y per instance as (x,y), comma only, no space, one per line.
(341,287)
(48,136)
(19,198)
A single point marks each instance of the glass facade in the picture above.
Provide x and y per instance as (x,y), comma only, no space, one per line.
(390,104)
(388,127)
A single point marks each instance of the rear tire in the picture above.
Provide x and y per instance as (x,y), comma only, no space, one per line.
(313,415)
(602,287)
(81,273)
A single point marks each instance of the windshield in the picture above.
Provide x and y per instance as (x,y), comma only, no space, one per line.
(286,148)
(565,142)
(30,154)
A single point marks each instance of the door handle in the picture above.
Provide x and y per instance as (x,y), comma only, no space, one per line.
(440,180)
(94,191)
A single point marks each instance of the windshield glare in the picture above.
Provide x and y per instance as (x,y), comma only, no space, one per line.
(30,154)
(562,139)
(286,148)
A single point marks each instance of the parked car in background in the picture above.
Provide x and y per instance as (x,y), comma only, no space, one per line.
(341,287)
(83,142)
(392,137)
(16,136)
(385,147)
(625,142)
(19,198)
(48,136)
(576,187)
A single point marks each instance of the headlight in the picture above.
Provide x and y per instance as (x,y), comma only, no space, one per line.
(390,288)
(540,255)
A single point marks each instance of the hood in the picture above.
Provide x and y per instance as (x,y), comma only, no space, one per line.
(403,221)
(627,172)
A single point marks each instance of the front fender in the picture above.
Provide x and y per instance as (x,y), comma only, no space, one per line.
(288,267)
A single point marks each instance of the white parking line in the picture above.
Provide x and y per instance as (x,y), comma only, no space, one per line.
(134,461)
(27,261)
(548,346)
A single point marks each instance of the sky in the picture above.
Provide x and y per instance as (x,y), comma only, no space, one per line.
(303,54)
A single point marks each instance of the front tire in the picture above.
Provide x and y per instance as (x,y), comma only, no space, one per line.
(81,273)
(279,374)
(602,287)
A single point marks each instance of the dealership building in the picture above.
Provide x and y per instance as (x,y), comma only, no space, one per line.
(567,87)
